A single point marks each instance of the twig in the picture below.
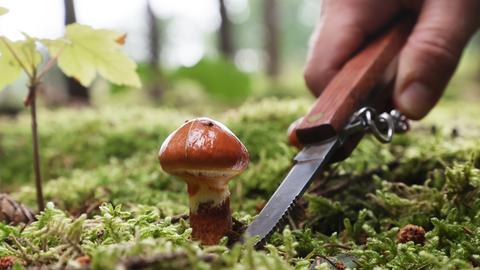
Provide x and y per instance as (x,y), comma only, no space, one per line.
(332,245)
(318,261)
(467,230)
(36,155)
(49,64)
(93,206)
(292,222)
(28,99)
(47,67)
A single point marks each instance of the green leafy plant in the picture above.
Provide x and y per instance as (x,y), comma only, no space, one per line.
(81,53)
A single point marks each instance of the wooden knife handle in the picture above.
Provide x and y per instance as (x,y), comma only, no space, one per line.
(380,103)
(371,68)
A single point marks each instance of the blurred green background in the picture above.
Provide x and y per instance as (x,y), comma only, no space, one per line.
(200,56)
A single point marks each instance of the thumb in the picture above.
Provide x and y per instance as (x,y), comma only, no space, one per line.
(432,53)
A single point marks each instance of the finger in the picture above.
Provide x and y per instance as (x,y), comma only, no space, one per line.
(343,28)
(432,53)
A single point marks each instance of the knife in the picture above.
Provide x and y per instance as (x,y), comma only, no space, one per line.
(356,101)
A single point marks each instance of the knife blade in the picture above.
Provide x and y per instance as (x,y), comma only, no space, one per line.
(366,80)
(309,163)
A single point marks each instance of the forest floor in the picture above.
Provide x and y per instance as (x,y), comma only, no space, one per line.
(112,207)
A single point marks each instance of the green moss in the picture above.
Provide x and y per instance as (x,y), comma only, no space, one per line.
(114,204)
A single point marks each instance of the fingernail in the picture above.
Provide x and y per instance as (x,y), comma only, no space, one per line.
(416,100)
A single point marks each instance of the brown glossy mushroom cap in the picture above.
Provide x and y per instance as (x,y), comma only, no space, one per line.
(203,149)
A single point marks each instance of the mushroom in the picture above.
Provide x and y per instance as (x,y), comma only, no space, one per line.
(206,155)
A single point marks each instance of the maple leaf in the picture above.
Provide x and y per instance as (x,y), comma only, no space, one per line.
(10,68)
(83,52)
(3,11)
(15,56)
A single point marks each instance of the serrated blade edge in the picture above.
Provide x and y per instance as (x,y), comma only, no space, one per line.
(309,163)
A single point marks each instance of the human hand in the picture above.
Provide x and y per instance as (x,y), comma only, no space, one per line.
(427,61)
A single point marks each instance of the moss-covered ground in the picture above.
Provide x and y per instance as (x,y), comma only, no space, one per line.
(109,199)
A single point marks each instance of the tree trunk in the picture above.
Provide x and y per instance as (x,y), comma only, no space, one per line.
(77,93)
(154,47)
(225,32)
(272,37)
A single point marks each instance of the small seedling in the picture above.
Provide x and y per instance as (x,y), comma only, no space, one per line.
(81,53)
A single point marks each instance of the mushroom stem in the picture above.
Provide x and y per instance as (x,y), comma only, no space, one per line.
(210,215)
